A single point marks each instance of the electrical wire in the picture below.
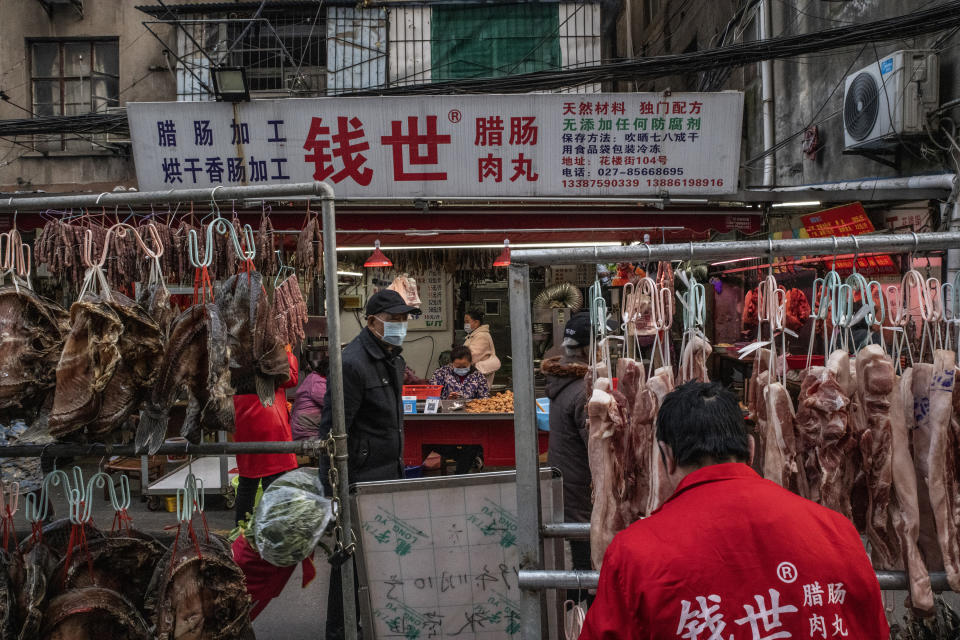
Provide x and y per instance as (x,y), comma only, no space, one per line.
(813,119)
(939,18)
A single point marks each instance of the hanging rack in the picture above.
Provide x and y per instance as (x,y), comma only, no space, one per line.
(530,528)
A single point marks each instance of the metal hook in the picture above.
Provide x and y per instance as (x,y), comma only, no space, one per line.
(856,244)
(100,196)
(834,267)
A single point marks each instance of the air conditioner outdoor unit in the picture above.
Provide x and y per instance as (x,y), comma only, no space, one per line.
(890,98)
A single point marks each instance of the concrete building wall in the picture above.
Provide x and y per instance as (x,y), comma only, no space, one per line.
(805,86)
(143,76)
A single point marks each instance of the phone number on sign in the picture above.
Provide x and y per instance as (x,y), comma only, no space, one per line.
(639,171)
(656,182)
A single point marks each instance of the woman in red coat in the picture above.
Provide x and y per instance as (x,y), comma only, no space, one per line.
(256,423)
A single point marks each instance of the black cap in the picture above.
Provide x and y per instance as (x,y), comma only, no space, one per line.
(577,330)
(388,301)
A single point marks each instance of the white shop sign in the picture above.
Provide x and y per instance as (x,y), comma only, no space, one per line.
(615,144)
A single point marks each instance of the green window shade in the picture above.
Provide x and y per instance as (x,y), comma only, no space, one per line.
(490,41)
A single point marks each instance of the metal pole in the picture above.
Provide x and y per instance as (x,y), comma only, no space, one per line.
(567,530)
(953,255)
(99,449)
(540,580)
(897,581)
(893,243)
(527,459)
(767,99)
(120,198)
(336,400)
(937,181)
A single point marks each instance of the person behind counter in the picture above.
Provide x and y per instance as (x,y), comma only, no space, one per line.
(480,343)
(308,404)
(460,379)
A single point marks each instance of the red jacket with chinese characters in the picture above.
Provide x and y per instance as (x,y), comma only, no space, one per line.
(733,556)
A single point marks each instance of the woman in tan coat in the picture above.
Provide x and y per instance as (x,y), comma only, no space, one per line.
(480,343)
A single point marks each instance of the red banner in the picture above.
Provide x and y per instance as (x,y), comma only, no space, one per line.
(847,220)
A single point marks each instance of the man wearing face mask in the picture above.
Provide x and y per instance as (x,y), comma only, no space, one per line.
(373,410)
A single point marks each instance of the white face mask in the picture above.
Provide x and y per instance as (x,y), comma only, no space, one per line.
(394,332)
(572,352)
(461,371)
(467,327)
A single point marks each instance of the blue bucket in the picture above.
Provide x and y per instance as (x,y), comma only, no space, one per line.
(543,417)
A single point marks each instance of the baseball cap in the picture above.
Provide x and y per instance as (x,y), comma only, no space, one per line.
(388,301)
(577,331)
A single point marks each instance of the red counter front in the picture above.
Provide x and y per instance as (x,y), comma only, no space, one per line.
(493,432)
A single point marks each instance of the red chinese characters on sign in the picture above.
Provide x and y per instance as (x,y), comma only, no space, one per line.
(414,141)
(489,131)
(490,167)
(347,146)
(847,220)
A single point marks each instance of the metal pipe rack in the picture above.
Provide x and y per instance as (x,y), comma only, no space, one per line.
(539,580)
(99,449)
(531,531)
(310,190)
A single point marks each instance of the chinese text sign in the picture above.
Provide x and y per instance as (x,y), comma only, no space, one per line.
(621,144)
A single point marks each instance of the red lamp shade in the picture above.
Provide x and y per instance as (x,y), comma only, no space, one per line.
(377,258)
(503,260)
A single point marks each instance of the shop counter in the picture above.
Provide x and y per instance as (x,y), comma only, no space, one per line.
(491,431)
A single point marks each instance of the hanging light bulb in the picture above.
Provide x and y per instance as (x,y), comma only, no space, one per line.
(503,260)
(377,258)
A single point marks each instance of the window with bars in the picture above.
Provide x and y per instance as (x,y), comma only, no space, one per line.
(74,77)
(283,52)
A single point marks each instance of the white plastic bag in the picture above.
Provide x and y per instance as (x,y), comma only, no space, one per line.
(292,516)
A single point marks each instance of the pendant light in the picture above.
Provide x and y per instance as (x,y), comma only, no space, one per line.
(503,260)
(377,258)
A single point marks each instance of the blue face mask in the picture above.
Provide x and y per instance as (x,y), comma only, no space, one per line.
(394,332)
(461,371)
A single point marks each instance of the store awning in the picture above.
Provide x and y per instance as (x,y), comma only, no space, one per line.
(361,227)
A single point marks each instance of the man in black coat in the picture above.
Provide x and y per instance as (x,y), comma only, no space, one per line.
(567,450)
(373,411)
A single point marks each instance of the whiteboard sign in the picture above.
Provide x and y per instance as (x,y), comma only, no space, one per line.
(607,144)
(438,557)
(433,298)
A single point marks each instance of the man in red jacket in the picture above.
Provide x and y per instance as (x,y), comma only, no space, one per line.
(731,556)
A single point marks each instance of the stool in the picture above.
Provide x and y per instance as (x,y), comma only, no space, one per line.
(131,467)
